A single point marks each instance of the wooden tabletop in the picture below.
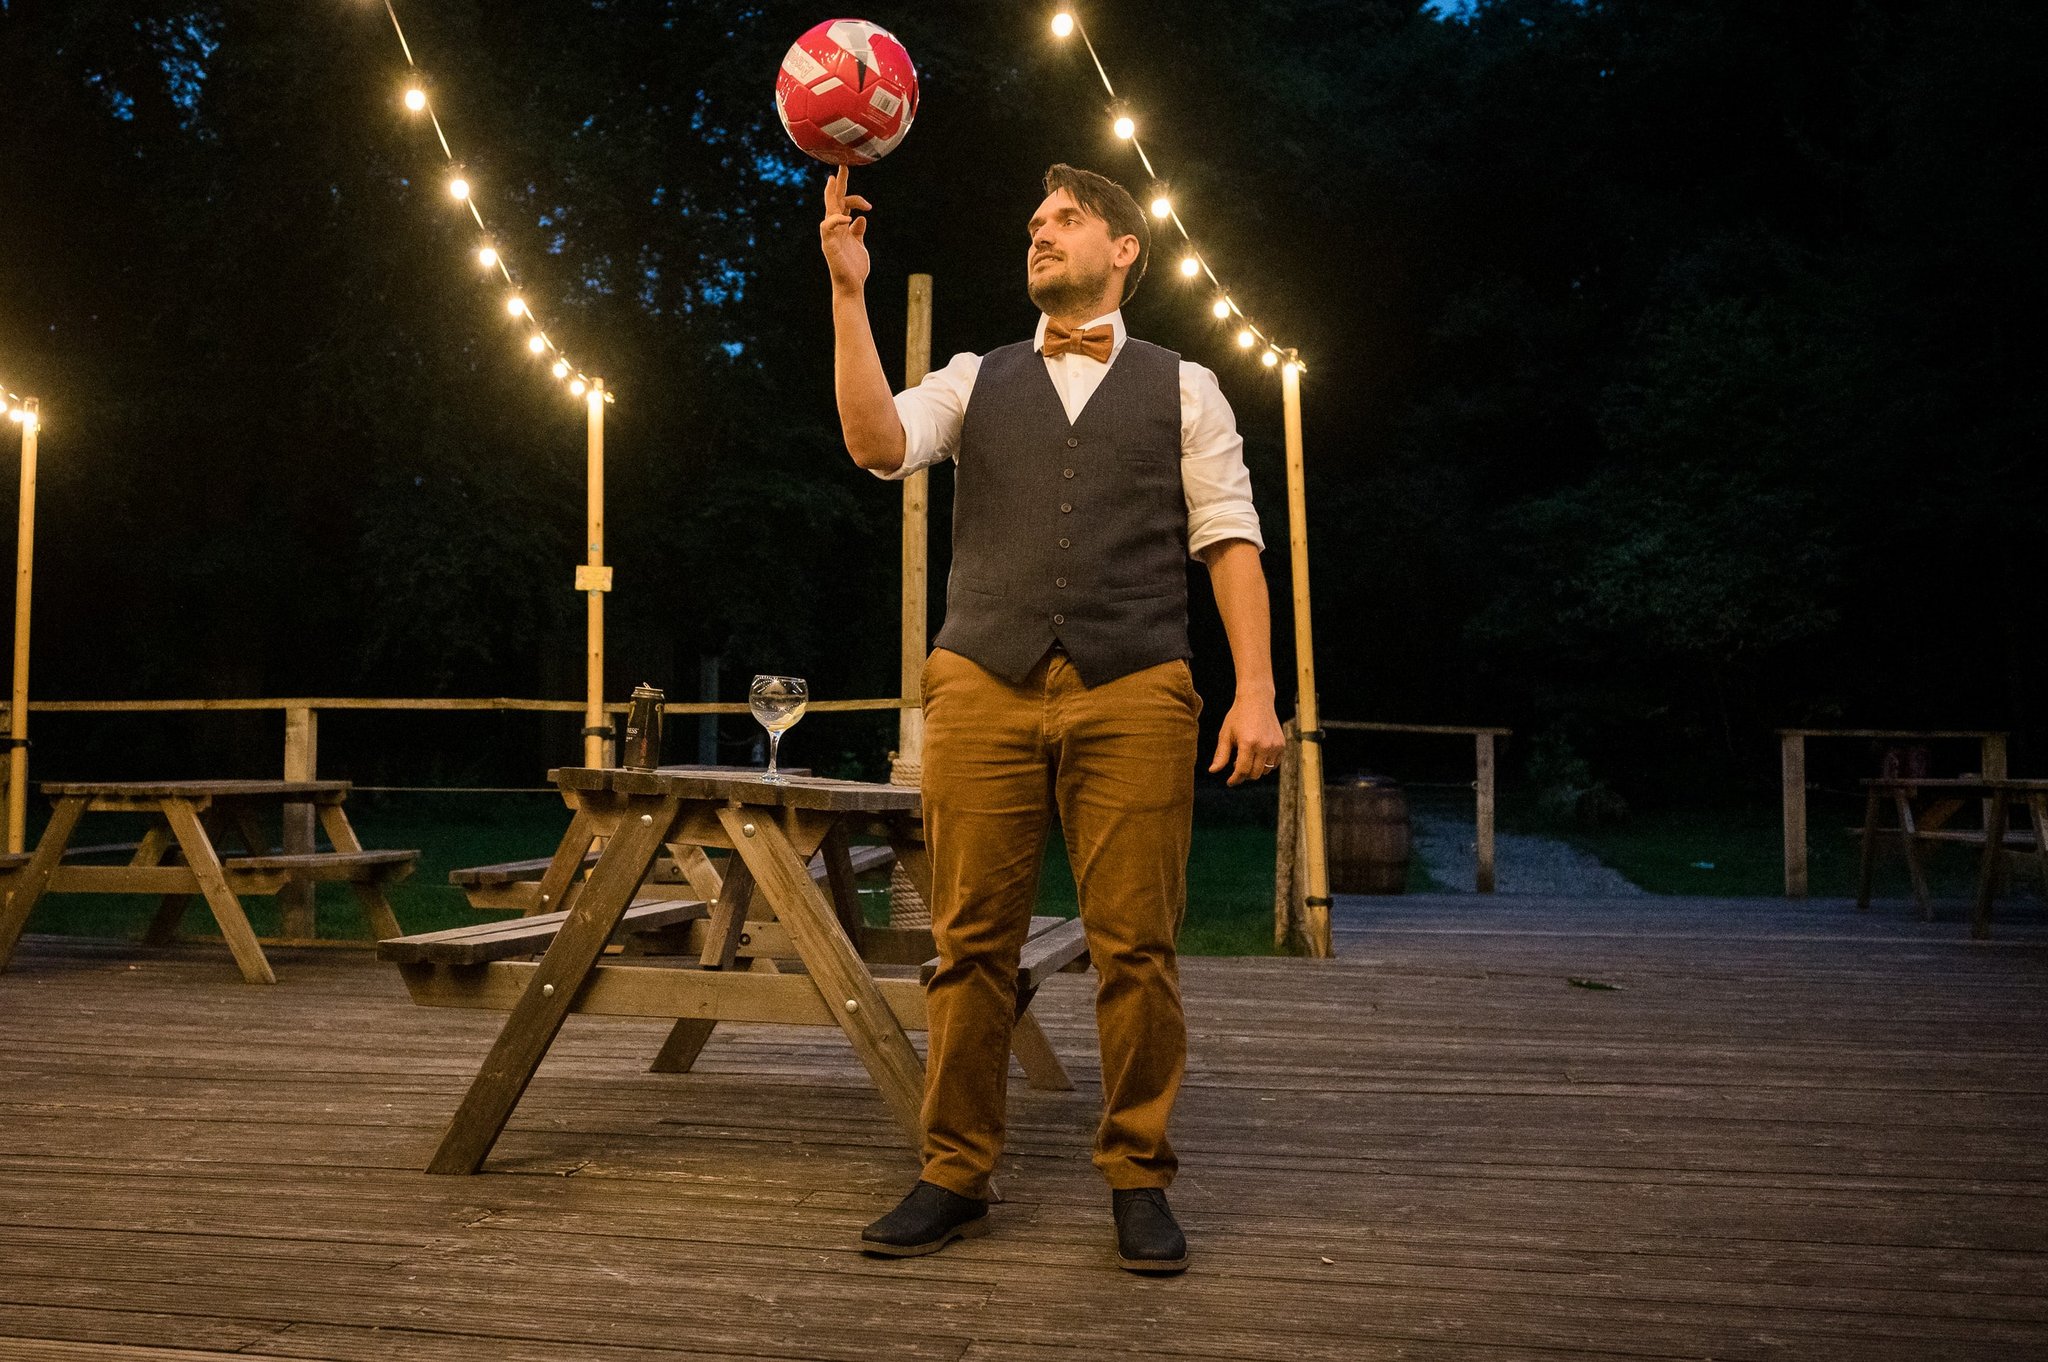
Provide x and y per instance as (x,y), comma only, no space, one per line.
(1957,783)
(797,792)
(182,789)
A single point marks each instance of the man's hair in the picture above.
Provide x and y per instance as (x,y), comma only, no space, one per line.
(1112,203)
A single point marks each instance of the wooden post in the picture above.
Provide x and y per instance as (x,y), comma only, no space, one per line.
(301,762)
(24,574)
(594,583)
(1992,766)
(1315,870)
(1287,934)
(1792,761)
(917,362)
(1482,786)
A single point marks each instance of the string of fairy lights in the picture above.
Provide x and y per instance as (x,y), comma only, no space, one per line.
(489,256)
(1066,23)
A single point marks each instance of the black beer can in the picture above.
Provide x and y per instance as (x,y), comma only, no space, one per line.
(641,750)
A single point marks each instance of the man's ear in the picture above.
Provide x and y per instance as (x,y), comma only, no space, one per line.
(1126,252)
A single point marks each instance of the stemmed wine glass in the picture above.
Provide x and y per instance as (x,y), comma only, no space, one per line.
(778,702)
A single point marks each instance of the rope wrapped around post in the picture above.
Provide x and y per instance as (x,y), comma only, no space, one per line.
(907,907)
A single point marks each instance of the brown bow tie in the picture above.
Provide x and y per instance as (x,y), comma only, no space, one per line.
(1094,342)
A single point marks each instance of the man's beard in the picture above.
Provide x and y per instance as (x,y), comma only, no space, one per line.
(1065,292)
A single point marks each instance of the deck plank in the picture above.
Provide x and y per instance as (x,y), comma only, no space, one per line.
(1791,1131)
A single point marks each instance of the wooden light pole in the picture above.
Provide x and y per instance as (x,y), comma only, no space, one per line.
(24,571)
(1313,876)
(917,362)
(593,579)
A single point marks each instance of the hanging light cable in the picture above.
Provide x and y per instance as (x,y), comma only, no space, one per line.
(462,187)
(1066,23)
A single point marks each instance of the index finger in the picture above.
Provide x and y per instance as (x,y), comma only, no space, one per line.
(835,191)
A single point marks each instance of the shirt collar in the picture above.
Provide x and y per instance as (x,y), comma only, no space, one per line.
(1117,334)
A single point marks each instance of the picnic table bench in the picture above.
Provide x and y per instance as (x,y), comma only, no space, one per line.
(774,942)
(180,856)
(1926,808)
(514,886)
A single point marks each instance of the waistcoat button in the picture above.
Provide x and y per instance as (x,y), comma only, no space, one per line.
(1066,508)
(1059,581)
(1059,619)
(1066,543)
(1067,473)
(1073,443)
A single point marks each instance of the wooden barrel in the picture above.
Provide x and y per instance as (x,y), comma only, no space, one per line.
(1368,837)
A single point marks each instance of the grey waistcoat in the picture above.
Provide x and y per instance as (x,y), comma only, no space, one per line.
(1070,532)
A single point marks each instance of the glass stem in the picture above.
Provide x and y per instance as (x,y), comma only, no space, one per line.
(774,746)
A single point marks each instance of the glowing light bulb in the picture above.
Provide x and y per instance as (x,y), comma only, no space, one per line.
(1291,368)
(415,99)
(1190,266)
(1125,128)
(1221,307)
(561,368)
(516,305)
(1162,208)
(578,388)
(488,257)
(1062,24)
(1245,339)
(1270,358)
(536,344)
(17,415)
(458,187)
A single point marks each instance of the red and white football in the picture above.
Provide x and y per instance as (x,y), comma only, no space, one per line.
(846,92)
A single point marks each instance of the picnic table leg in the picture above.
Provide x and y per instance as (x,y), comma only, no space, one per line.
(1994,861)
(835,967)
(551,990)
(697,870)
(34,878)
(1909,827)
(227,909)
(1042,1067)
(2037,804)
(1868,861)
(684,1043)
(162,929)
(383,923)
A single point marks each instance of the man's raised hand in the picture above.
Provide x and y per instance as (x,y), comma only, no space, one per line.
(844,236)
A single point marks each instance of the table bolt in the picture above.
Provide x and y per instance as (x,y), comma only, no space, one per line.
(543,898)
(853,1005)
(746,939)
(747,828)
(648,819)
(547,990)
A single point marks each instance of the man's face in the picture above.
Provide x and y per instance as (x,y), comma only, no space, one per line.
(1072,255)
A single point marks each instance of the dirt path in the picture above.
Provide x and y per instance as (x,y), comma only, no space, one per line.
(1523,864)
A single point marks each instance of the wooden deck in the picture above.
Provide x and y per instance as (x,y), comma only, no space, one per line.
(1790,1132)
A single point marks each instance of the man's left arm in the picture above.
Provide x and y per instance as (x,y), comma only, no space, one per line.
(1251,741)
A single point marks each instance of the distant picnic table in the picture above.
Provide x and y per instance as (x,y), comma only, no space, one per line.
(1926,810)
(180,856)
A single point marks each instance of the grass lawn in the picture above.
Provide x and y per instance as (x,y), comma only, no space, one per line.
(1230,874)
(1739,853)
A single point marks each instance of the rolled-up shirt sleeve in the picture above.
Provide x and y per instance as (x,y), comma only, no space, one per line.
(931,414)
(1214,480)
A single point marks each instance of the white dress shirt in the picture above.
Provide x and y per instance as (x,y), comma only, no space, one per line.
(1213,480)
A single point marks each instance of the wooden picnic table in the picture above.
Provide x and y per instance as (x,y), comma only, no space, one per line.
(180,856)
(1926,810)
(765,906)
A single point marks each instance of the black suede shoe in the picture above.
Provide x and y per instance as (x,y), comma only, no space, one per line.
(1148,1238)
(924,1222)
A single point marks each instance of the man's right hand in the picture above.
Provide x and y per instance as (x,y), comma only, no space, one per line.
(844,236)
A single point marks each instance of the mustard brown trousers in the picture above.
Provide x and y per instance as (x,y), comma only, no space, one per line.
(1117,762)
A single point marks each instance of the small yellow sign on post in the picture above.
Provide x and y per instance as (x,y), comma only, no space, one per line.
(593,578)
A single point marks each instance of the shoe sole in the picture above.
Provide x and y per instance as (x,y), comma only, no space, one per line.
(972,1229)
(1157,1267)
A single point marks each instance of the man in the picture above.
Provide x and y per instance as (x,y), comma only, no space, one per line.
(1090,467)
